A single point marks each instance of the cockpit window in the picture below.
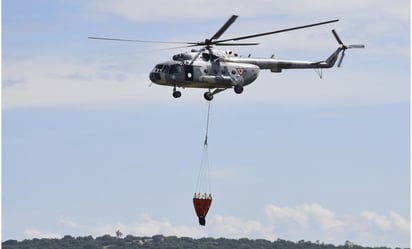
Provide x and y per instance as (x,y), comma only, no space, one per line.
(166,69)
(158,68)
(172,69)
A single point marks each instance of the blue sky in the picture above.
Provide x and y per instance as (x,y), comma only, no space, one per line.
(89,148)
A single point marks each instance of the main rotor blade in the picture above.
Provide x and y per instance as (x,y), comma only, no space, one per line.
(275,32)
(196,56)
(143,41)
(237,44)
(229,22)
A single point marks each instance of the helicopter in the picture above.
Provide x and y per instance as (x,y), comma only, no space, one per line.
(218,70)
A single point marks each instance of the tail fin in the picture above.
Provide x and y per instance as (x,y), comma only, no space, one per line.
(331,60)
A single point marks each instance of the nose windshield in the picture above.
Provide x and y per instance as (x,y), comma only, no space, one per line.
(158,68)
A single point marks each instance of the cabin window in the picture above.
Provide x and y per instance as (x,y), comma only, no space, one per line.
(174,69)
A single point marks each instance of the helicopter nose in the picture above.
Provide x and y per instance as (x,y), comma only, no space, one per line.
(154,77)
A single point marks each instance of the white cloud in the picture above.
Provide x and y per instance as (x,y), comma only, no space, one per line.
(291,216)
(151,226)
(324,217)
(399,222)
(314,222)
(307,221)
(233,227)
(52,82)
(381,221)
(146,225)
(391,222)
(67,222)
(303,216)
(33,233)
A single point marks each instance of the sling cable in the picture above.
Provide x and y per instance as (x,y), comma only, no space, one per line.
(202,199)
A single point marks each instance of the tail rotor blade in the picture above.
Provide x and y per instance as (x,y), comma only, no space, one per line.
(356,46)
(337,37)
(341,58)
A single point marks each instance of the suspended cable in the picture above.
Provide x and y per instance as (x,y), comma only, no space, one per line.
(202,198)
(203,180)
(207,122)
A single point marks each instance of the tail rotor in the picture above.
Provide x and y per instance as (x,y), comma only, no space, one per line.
(343,47)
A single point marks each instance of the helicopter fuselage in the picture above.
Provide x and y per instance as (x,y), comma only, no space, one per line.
(203,72)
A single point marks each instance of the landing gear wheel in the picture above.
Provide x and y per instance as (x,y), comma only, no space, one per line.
(208,96)
(238,89)
(177,94)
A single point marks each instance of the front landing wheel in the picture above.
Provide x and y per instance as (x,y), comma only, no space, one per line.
(238,89)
